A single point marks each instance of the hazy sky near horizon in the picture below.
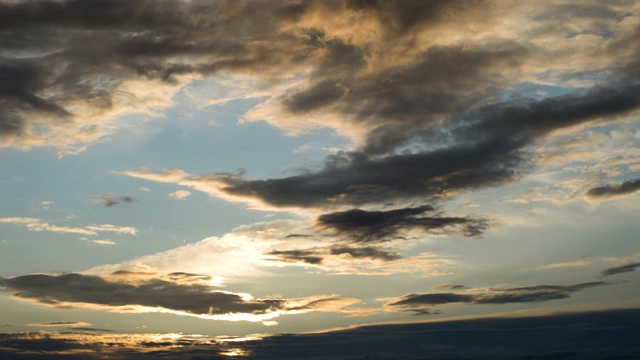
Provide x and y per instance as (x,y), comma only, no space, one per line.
(242,167)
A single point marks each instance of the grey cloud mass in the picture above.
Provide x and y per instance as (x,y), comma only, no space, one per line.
(70,290)
(317,255)
(424,303)
(593,336)
(108,200)
(608,191)
(375,226)
(621,269)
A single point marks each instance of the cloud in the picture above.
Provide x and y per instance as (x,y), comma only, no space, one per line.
(60,323)
(162,295)
(180,194)
(316,256)
(375,226)
(108,200)
(34,224)
(632,266)
(477,338)
(624,188)
(113,228)
(103,242)
(425,303)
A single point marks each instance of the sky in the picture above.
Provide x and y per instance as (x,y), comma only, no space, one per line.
(231,170)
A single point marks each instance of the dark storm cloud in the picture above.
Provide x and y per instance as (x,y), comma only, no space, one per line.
(423,303)
(316,256)
(487,149)
(621,269)
(376,226)
(607,191)
(61,57)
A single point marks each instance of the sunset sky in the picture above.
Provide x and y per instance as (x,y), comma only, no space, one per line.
(228,168)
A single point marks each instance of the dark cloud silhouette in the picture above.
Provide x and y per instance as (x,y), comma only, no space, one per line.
(108,200)
(594,335)
(421,304)
(366,252)
(621,269)
(71,290)
(614,190)
(307,256)
(316,256)
(376,226)
(82,328)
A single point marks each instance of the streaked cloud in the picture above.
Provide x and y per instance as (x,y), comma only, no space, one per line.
(621,269)
(625,188)
(163,295)
(113,228)
(61,323)
(565,265)
(103,242)
(34,224)
(422,304)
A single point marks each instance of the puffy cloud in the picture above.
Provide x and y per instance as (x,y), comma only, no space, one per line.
(180,194)
(375,226)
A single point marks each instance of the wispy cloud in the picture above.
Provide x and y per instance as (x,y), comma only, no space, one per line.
(621,269)
(103,242)
(60,323)
(113,228)
(34,224)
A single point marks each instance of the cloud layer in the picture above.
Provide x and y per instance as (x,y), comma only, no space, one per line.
(425,303)
(177,293)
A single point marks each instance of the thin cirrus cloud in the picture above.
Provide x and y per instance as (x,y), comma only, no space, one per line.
(34,224)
